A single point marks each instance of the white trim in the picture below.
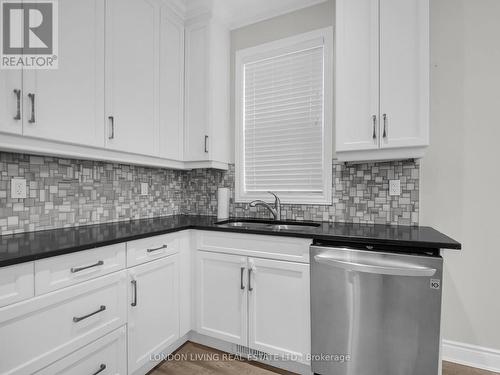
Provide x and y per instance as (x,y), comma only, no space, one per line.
(385,154)
(275,48)
(471,355)
(29,145)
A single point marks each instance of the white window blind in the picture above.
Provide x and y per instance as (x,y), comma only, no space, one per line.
(283,123)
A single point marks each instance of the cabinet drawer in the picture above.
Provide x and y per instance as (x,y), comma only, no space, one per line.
(108,354)
(41,330)
(148,249)
(273,247)
(65,270)
(16,283)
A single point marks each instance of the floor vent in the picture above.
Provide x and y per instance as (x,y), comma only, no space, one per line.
(247,352)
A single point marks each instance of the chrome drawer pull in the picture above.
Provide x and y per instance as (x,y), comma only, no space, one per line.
(134,285)
(102,367)
(78,269)
(158,248)
(78,319)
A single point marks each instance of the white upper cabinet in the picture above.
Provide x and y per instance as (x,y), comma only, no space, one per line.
(171,84)
(357,75)
(207,91)
(67,104)
(404,73)
(11,101)
(126,89)
(132,75)
(382,79)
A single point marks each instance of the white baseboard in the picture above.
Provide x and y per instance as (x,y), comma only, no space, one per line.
(471,355)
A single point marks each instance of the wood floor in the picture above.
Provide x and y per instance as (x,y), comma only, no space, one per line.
(194,359)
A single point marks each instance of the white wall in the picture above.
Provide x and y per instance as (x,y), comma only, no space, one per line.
(460,186)
(300,21)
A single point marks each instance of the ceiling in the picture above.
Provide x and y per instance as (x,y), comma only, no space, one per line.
(239,13)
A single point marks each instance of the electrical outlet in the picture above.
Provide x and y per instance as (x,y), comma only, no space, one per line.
(144,188)
(394,187)
(18,188)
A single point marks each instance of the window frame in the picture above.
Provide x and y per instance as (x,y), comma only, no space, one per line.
(276,48)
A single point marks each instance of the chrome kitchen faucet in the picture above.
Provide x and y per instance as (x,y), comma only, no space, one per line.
(275,211)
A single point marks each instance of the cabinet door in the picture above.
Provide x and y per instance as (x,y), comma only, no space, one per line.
(279,312)
(132,75)
(404,72)
(222,296)
(153,310)
(69,101)
(196,142)
(357,75)
(171,85)
(10,105)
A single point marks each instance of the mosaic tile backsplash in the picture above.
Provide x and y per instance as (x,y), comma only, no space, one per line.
(64,192)
(360,195)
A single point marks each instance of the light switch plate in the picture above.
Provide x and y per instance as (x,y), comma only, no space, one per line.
(144,188)
(18,188)
(394,187)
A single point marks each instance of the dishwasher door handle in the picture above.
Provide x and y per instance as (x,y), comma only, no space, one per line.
(377,267)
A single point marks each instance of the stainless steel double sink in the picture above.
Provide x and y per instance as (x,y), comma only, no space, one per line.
(269,225)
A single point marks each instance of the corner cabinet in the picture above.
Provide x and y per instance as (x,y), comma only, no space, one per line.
(206,133)
(382,79)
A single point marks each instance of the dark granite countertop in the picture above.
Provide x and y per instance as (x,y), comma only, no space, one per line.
(19,248)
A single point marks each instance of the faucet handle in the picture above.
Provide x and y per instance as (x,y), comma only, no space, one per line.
(277,205)
(276,199)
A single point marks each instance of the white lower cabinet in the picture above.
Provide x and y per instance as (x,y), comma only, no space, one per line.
(39,331)
(153,311)
(107,355)
(278,308)
(105,319)
(221,296)
(268,299)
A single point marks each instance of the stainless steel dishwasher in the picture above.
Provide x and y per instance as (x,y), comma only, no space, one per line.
(374,312)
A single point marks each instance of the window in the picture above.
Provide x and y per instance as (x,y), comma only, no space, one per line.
(284,120)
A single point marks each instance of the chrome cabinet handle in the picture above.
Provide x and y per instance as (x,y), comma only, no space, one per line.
(374,119)
(384,116)
(112,125)
(206,143)
(250,288)
(102,367)
(78,319)
(242,286)
(78,269)
(31,96)
(158,248)
(134,286)
(17,92)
